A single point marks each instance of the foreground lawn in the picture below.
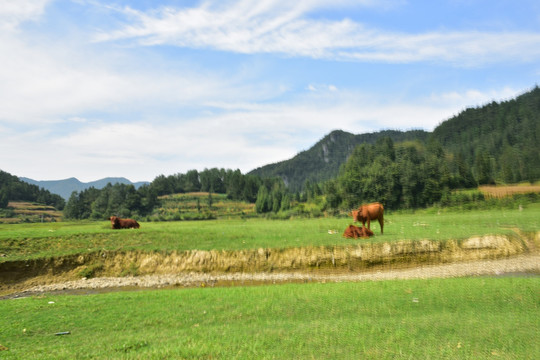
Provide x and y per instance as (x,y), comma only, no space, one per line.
(25,241)
(470,318)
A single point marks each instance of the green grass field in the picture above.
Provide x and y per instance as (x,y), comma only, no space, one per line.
(469,318)
(27,241)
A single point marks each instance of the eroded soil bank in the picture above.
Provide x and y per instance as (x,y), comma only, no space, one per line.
(336,263)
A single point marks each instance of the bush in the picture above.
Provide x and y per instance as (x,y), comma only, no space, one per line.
(133,270)
(91,270)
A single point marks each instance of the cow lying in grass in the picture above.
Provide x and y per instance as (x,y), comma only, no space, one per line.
(356,232)
(118,223)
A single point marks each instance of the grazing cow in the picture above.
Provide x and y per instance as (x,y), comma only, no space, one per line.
(369,212)
(118,223)
(356,232)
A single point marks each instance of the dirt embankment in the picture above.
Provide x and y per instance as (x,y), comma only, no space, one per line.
(311,262)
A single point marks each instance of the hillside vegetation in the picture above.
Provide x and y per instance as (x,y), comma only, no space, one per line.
(500,142)
(323,161)
(11,188)
(494,144)
(497,142)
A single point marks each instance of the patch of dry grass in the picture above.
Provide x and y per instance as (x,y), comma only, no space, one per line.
(501,191)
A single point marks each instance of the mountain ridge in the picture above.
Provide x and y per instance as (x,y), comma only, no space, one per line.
(499,141)
(322,161)
(65,187)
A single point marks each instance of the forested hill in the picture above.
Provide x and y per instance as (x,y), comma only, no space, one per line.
(322,161)
(498,141)
(11,188)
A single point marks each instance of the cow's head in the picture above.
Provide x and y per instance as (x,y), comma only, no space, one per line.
(355,214)
(115,222)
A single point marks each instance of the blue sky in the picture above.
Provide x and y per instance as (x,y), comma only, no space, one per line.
(97,88)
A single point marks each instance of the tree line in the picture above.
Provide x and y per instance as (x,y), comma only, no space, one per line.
(495,143)
(404,175)
(409,174)
(118,199)
(236,185)
(126,201)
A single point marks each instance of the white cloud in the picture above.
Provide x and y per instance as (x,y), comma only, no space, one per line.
(13,12)
(458,48)
(41,83)
(155,148)
(50,82)
(322,88)
(472,98)
(104,109)
(283,27)
(244,136)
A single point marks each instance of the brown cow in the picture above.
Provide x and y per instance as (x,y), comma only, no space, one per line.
(117,223)
(356,232)
(369,212)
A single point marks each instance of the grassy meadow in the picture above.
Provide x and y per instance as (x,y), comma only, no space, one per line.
(38,240)
(468,318)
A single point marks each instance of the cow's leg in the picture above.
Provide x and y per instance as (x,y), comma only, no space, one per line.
(381,222)
(368,223)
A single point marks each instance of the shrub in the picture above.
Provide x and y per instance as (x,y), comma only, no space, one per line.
(91,270)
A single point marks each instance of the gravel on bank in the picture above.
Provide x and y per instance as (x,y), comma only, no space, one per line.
(519,264)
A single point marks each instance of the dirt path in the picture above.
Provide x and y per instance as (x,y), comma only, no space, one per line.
(521,264)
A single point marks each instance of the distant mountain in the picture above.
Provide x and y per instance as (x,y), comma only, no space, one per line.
(322,161)
(65,187)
